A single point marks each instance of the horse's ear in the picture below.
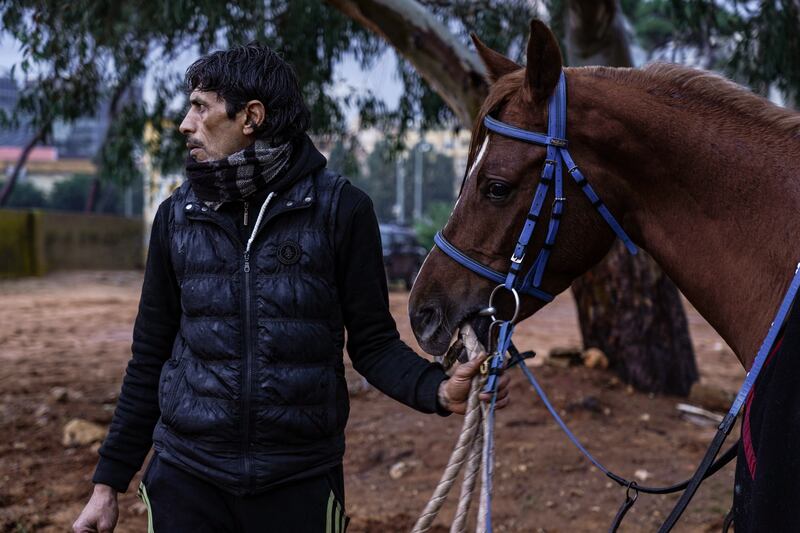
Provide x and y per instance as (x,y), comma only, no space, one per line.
(544,62)
(497,65)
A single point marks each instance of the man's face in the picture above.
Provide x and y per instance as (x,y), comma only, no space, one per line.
(210,133)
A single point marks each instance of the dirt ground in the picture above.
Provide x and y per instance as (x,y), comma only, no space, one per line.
(73,330)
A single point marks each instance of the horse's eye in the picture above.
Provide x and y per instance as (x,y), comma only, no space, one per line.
(498,190)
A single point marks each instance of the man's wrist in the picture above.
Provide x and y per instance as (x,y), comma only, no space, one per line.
(105,490)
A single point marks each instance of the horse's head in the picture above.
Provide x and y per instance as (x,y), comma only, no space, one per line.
(502,175)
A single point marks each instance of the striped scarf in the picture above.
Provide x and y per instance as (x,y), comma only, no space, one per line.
(239,175)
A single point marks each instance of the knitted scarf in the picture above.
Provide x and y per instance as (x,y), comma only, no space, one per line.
(239,175)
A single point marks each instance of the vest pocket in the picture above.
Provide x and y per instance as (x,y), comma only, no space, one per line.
(170,388)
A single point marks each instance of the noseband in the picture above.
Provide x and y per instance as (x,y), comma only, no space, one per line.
(558,156)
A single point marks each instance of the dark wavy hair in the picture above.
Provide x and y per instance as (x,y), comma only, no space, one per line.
(254,72)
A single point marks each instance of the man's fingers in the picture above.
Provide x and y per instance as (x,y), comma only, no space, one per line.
(470,368)
(502,393)
(502,403)
(504,381)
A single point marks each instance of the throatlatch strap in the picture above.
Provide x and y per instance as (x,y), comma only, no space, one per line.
(597,203)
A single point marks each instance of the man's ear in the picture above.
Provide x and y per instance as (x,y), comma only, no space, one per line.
(543,69)
(497,65)
(254,116)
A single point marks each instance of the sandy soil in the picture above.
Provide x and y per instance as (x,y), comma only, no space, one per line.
(73,330)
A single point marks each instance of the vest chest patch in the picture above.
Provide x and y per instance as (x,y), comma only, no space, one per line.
(289,252)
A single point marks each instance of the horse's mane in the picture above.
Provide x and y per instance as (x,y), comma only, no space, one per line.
(710,92)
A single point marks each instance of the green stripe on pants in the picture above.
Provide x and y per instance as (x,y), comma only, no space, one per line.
(329,514)
(146,500)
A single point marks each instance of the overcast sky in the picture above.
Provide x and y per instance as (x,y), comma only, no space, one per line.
(348,76)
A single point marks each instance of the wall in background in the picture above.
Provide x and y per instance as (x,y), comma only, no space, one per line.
(34,242)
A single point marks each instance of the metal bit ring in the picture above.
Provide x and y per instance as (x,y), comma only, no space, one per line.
(516,301)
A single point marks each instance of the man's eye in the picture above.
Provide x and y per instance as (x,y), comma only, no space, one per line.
(498,190)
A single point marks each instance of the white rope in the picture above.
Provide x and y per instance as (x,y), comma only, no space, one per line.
(469,429)
(468,485)
(468,449)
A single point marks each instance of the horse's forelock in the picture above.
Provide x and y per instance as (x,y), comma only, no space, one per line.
(500,93)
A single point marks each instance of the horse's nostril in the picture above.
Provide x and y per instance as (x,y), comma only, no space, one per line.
(426,321)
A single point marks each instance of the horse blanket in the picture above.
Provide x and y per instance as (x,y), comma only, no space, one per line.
(767,491)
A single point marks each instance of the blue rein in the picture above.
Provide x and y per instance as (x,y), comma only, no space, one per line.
(553,172)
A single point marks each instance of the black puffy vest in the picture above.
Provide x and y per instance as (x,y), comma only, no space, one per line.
(254,393)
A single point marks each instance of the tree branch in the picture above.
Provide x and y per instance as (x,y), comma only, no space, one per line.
(449,67)
(38,137)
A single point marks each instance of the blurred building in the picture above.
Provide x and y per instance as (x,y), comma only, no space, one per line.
(448,142)
(454,144)
(70,150)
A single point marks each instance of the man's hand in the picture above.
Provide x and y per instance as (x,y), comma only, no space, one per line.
(454,392)
(100,514)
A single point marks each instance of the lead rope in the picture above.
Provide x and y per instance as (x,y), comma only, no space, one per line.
(468,484)
(476,456)
(468,450)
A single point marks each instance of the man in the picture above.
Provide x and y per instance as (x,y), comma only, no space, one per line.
(256,266)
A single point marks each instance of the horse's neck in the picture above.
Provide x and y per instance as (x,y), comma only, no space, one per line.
(715,202)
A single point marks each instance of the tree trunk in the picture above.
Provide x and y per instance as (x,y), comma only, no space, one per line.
(38,137)
(451,69)
(629,309)
(595,34)
(91,198)
(113,111)
(627,306)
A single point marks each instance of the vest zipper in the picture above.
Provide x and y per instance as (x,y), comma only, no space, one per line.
(246,209)
(247,365)
(247,372)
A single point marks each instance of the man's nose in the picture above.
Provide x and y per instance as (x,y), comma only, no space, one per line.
(186,126)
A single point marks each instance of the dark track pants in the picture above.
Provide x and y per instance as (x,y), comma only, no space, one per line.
(179,502)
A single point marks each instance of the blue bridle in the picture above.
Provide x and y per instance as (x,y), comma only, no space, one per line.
(557,157)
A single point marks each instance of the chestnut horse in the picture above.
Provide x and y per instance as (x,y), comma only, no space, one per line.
(699,172)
